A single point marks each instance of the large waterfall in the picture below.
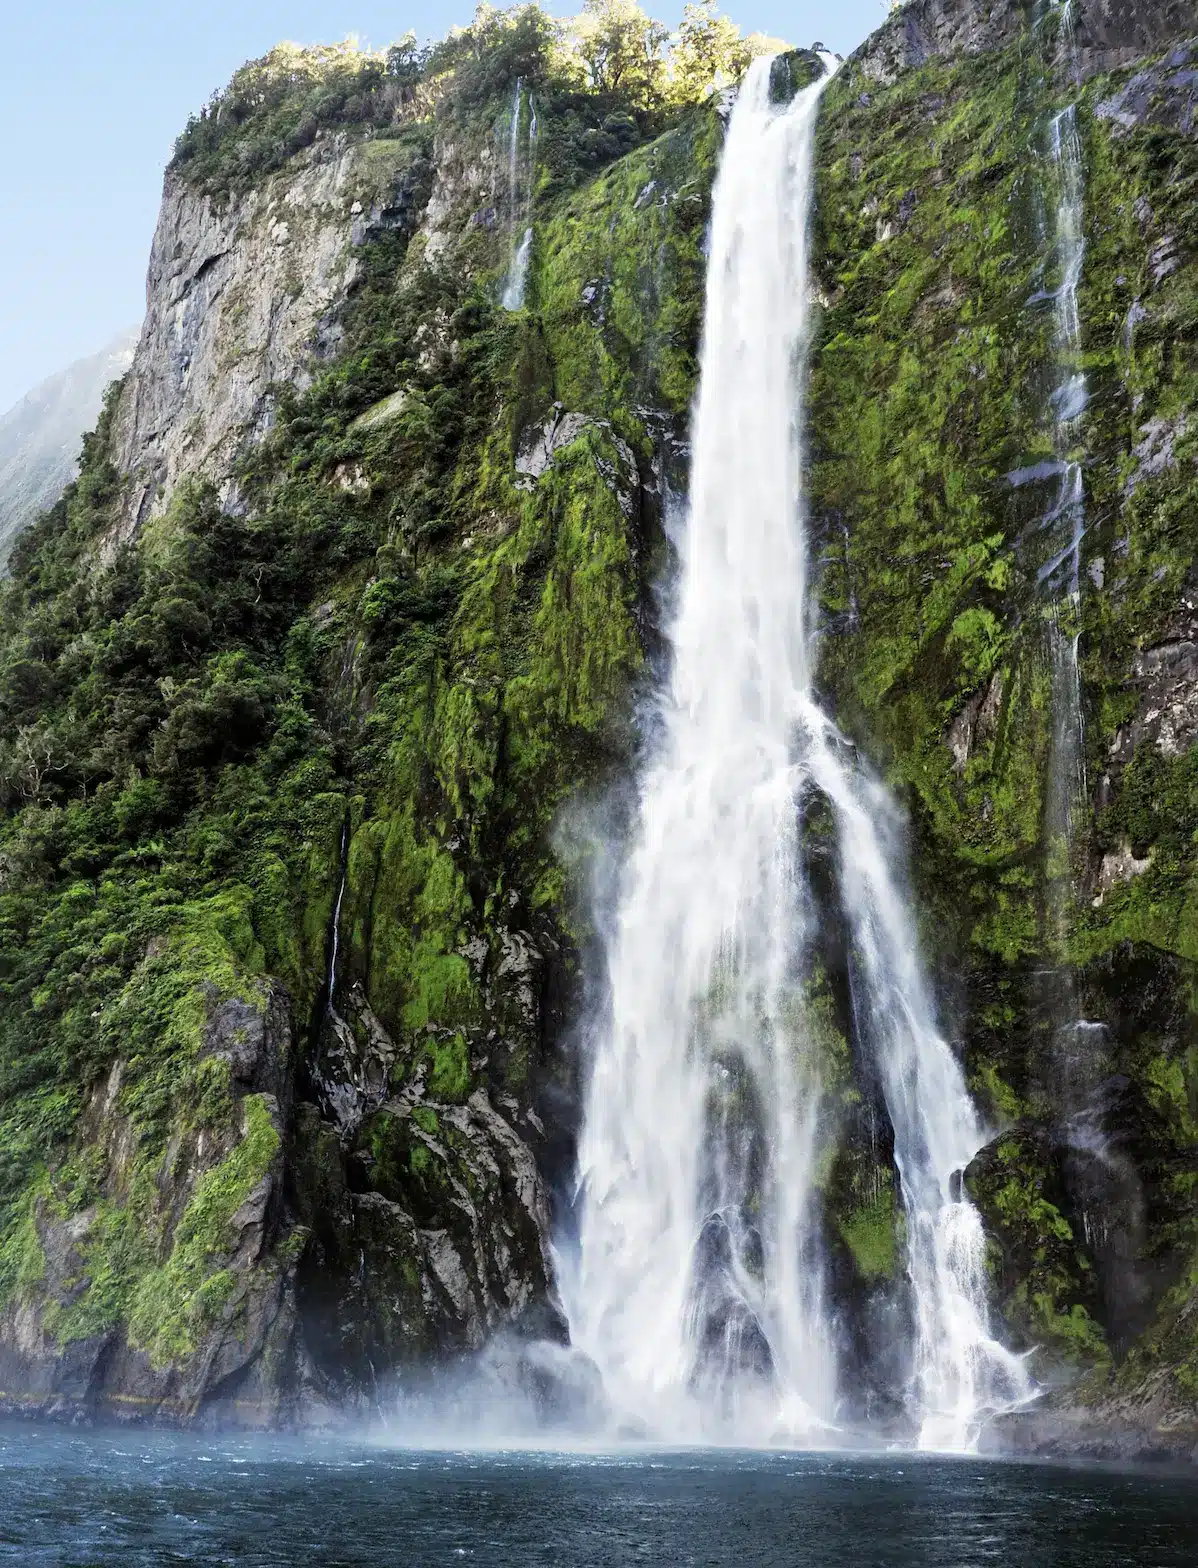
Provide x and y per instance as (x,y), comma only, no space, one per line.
(699,1287)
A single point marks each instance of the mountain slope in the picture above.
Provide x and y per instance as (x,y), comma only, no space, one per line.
(321,696)
(40,435)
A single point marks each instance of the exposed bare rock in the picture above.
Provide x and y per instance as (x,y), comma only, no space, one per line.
(1149,1422)
(976,723)
(353,1066)
(1110,33)
(1155,451)
(1167,679)
(923,29)
(1114,33)
(465,181)
(541,445)
(1116,868)
(1164,94)
(241,297)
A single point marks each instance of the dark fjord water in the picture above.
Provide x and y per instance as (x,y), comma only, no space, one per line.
(68,1498)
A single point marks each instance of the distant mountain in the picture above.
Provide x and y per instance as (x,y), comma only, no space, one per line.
(40,435)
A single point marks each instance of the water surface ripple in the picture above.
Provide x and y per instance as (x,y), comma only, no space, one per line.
(136,1499)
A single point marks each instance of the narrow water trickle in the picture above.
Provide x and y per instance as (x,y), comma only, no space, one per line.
(335,936)
(1100,1178)
(336,1061)
(1064,523)
(699,1285)
(521,182)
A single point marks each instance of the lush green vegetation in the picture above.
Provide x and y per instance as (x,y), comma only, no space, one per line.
(928,390)
(603,80)
(392,635)
(406,664)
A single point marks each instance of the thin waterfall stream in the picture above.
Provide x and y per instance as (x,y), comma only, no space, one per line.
(1065,520)
(520,195)
(1100,1175)
(699,1284)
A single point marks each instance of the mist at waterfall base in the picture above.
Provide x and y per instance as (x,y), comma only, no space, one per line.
(138,1498)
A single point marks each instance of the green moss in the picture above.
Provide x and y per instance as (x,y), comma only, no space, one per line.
(175,1303)
(450,1077)
(115,1254)
(1045,1280)
(618,277)
(872,1232)
(988,1084)
(22,1256)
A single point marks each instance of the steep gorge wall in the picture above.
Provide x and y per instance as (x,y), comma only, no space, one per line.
(346,609)
(243,293)
(317,683)
(934,470)
(1110,33)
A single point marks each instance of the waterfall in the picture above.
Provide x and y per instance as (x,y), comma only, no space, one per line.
(335,940)
(1101,1179)
(336,1065)
(1064,523)
(698,1287)
(519,211)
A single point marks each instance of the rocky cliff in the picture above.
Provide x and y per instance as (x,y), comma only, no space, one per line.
(322,681)
(1052,828)
(347,606)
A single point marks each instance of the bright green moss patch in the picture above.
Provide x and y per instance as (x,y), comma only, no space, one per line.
(450,1077)
(871,1234)
(176,1302)
(22,1257)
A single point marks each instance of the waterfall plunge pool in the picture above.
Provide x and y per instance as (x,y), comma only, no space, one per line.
(140,1498)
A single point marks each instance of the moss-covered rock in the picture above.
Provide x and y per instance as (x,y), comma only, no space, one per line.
(295,729)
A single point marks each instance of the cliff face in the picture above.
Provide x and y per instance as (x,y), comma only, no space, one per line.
(317,683)
(1110,33)
(243,293)
(344,611)
(1052,821)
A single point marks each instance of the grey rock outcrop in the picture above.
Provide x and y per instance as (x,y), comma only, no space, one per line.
(242,295)
(1113,33)
(1164,94)
(1164,678)
(1110,33)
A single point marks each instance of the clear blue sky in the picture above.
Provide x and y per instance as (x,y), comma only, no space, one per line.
(93,93)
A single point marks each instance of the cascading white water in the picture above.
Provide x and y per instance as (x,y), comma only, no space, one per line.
(961,1373)
(698,1288)
(520,211)
(704,1100)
